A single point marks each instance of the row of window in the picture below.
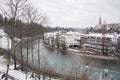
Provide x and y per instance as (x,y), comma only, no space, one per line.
(98,39)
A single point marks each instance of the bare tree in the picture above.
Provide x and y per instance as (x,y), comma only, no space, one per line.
(12,9)
(39,57)
(21,53)
(33,15)
(85,75)
(76,70)
(51,70)
(32,59)
(27,57)
(21,44)
(104,40)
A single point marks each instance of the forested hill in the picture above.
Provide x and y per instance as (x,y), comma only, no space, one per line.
(21,29)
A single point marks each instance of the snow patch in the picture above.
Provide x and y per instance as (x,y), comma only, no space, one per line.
(18,74)
(5,42)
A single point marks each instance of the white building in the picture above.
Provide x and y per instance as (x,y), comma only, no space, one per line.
(95,41)
(50,38)
(70,39)
(92,42)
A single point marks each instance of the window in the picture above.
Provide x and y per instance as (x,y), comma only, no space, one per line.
(92,37)
(98,39)
(108,40)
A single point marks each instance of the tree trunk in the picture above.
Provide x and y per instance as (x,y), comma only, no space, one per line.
(8,64)
(14,59)
(39,55)
(21,53)
(11,51)
(32,60)
(27,58)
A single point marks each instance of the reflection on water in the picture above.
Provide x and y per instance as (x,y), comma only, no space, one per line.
(67,62)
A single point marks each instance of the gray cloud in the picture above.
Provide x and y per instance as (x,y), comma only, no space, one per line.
(79,13)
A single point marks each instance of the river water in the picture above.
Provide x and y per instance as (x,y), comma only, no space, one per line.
(67,63)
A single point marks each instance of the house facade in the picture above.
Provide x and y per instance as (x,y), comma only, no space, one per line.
(96,41)
(91,42)
(70,39)
(50,38)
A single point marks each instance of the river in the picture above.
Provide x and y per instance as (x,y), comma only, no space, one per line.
(67,63)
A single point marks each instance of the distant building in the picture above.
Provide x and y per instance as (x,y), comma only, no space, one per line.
(94,42)
(111,27)
(91,42)
(50,38)
(70,39)
(100,20)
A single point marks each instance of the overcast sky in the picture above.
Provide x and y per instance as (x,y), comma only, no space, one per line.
(79,13)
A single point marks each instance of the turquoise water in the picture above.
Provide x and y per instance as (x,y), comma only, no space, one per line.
(66,63)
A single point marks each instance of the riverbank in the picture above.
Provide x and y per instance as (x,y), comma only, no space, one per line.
(80,53)
(56,60)
(17,74)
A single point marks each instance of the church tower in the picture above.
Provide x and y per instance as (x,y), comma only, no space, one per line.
(100,20)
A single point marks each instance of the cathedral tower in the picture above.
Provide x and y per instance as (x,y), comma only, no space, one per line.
(100,20)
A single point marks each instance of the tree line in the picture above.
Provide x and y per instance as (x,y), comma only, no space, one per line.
(22,20)
(21,28)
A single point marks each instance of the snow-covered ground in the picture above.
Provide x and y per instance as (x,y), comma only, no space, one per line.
(5,42)
(17,74)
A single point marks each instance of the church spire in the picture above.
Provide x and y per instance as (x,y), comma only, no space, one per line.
(100,20)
